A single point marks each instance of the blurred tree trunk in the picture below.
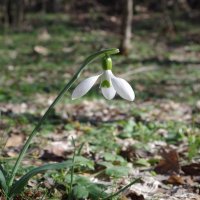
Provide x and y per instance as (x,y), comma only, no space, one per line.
(126,27)
(14,13)
(168,18)
(194,4)
(51,6)
(44,6)
(8,12)
(19,13)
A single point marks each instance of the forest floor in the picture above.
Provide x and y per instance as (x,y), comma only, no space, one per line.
(155,138)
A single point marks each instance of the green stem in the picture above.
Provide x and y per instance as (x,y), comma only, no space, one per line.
(72,170)
(94,56)
(122,189)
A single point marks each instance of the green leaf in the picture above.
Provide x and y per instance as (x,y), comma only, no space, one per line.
(96,191)
(128,129)
(19,185)
(80,192)
(112,157)
(3,183)
(117,171)
(105,164)
(109,157)
(84,162)
(142,162)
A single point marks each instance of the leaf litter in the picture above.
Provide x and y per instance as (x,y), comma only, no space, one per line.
(158,164)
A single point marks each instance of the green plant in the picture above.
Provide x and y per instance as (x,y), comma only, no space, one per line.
(9,186)
(193,146)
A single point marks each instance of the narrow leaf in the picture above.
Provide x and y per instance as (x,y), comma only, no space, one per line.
(3,183)
(19,185)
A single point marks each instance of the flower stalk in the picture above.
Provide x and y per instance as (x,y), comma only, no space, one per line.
(88,60)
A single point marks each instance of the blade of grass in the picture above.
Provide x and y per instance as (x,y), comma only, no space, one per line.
(72,168)
(19,185)
(3,183)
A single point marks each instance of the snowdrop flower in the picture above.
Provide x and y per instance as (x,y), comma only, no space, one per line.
(110,84)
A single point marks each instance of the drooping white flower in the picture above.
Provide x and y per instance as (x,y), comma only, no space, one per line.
(110,84)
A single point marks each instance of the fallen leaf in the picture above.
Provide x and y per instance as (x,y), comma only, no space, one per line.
(198,106)
(123,197)
(192,169)
(175,180)
(41,50)
(11,153)
(3,134)
(144,189)
(169,164)
(133,195)
(47,156)
(15,140)
(129,153)
(44,35)
(58,148)
(56,151)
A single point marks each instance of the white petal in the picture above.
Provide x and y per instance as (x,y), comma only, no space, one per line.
(123,88)
(108,93)
(84,87)
(107,74)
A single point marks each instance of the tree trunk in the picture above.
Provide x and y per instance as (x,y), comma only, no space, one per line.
(51,6)
(19,13)
(9,12)
(194,4)
(126,27)
(14,13)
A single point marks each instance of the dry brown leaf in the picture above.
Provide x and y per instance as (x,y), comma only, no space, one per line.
(44,35)
(129,153)
(3,134)
(178,111)
(192,169)
(15,140)
(123,198)
(58,148)
(135,196)
(11,153)
(41,50)
(56,151)
(169,164)
(198,105)
(175,180)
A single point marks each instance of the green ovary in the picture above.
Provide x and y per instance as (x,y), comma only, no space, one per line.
(105,84)
(107,63)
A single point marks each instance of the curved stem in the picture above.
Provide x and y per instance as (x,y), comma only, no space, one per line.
(88,60)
